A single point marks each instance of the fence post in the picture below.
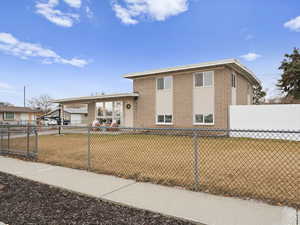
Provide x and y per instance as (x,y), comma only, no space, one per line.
(1,144)
(28,139)
(36,141)
(8,138)
(89,149)
(196,160)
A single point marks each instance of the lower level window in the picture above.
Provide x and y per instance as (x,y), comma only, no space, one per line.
(9,116)
(204,118)
(164,119)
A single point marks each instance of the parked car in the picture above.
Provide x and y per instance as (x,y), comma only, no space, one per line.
(49,122)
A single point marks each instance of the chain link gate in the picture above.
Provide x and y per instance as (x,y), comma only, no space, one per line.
(19,140)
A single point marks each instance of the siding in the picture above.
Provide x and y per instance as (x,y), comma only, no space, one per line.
(183,99)
(242,90)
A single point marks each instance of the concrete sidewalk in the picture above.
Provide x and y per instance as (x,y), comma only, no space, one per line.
(199,207)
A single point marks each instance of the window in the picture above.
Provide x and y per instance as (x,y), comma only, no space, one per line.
(160,83)
(164,83)
(9,116)
(204,119)
(199,80)
(108,112)
(209,118)
(199,118)
(233,80)
(164,119)
(204,79)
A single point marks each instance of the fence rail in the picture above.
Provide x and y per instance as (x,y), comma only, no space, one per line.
(257,164)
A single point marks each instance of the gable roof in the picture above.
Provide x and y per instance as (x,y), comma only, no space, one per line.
(18,109)
(233,63)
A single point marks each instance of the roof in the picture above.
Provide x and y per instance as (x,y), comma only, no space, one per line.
(95,98)
(234,63)
(17,109)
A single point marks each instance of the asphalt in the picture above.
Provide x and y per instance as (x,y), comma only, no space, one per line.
(199,207)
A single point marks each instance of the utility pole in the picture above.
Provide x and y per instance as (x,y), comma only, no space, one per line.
(24,96)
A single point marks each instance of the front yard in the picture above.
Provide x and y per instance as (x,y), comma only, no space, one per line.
(256,168)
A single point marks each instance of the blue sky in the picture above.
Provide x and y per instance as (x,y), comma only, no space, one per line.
(68,48)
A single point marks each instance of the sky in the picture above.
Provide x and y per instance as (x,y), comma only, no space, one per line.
(70,48)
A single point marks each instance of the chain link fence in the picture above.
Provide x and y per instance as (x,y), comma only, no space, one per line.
(19,140)
(263,165)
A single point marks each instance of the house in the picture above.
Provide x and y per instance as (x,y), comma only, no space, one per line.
(72,115)
(18,115)
(192,96)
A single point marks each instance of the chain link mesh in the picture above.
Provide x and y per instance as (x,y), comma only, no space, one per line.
(18,140)
(263,165)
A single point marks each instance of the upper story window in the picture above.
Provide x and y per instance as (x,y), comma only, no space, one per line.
(233,80)
(9,116)
(204,79)
(164,83)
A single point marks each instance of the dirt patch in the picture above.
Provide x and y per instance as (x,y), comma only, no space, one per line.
(27,202)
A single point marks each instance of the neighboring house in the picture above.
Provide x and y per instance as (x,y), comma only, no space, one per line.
(73,115)
(189,96)
(18,115)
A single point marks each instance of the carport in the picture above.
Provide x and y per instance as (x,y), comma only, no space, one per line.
(106,108)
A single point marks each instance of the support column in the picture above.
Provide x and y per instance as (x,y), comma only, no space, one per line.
(91,112)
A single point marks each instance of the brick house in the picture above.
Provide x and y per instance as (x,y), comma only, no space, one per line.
(197,95)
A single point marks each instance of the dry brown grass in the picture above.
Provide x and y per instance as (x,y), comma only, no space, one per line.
(256,168)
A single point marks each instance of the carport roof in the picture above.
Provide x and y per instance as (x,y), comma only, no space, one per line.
(89,99)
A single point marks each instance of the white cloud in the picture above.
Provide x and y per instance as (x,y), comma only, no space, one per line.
(124,15)
(131,11)
(73,3)
(56,16)
(5,86)
(293,24)
(24,50)
(251,56)
(89,12)
(249,37)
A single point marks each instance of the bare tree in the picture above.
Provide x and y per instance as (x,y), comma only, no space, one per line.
(5,104)
(43,102)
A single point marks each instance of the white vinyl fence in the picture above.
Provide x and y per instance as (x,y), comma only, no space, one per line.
(265,117)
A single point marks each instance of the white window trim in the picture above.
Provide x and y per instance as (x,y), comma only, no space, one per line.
(213,79)
(201,124)
(164,89)
(160,123)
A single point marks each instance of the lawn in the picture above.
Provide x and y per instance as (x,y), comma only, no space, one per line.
(256,168)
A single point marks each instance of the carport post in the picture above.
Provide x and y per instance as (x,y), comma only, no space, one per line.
(196,160)
(89,149)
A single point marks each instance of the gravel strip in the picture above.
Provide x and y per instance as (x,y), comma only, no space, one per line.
(27,202)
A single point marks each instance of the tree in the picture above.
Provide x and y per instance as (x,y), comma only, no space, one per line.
(5,104)
(43,102)
(289,84)
(258,94)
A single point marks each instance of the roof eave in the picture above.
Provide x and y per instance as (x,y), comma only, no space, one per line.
(196,66)
(86,100)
